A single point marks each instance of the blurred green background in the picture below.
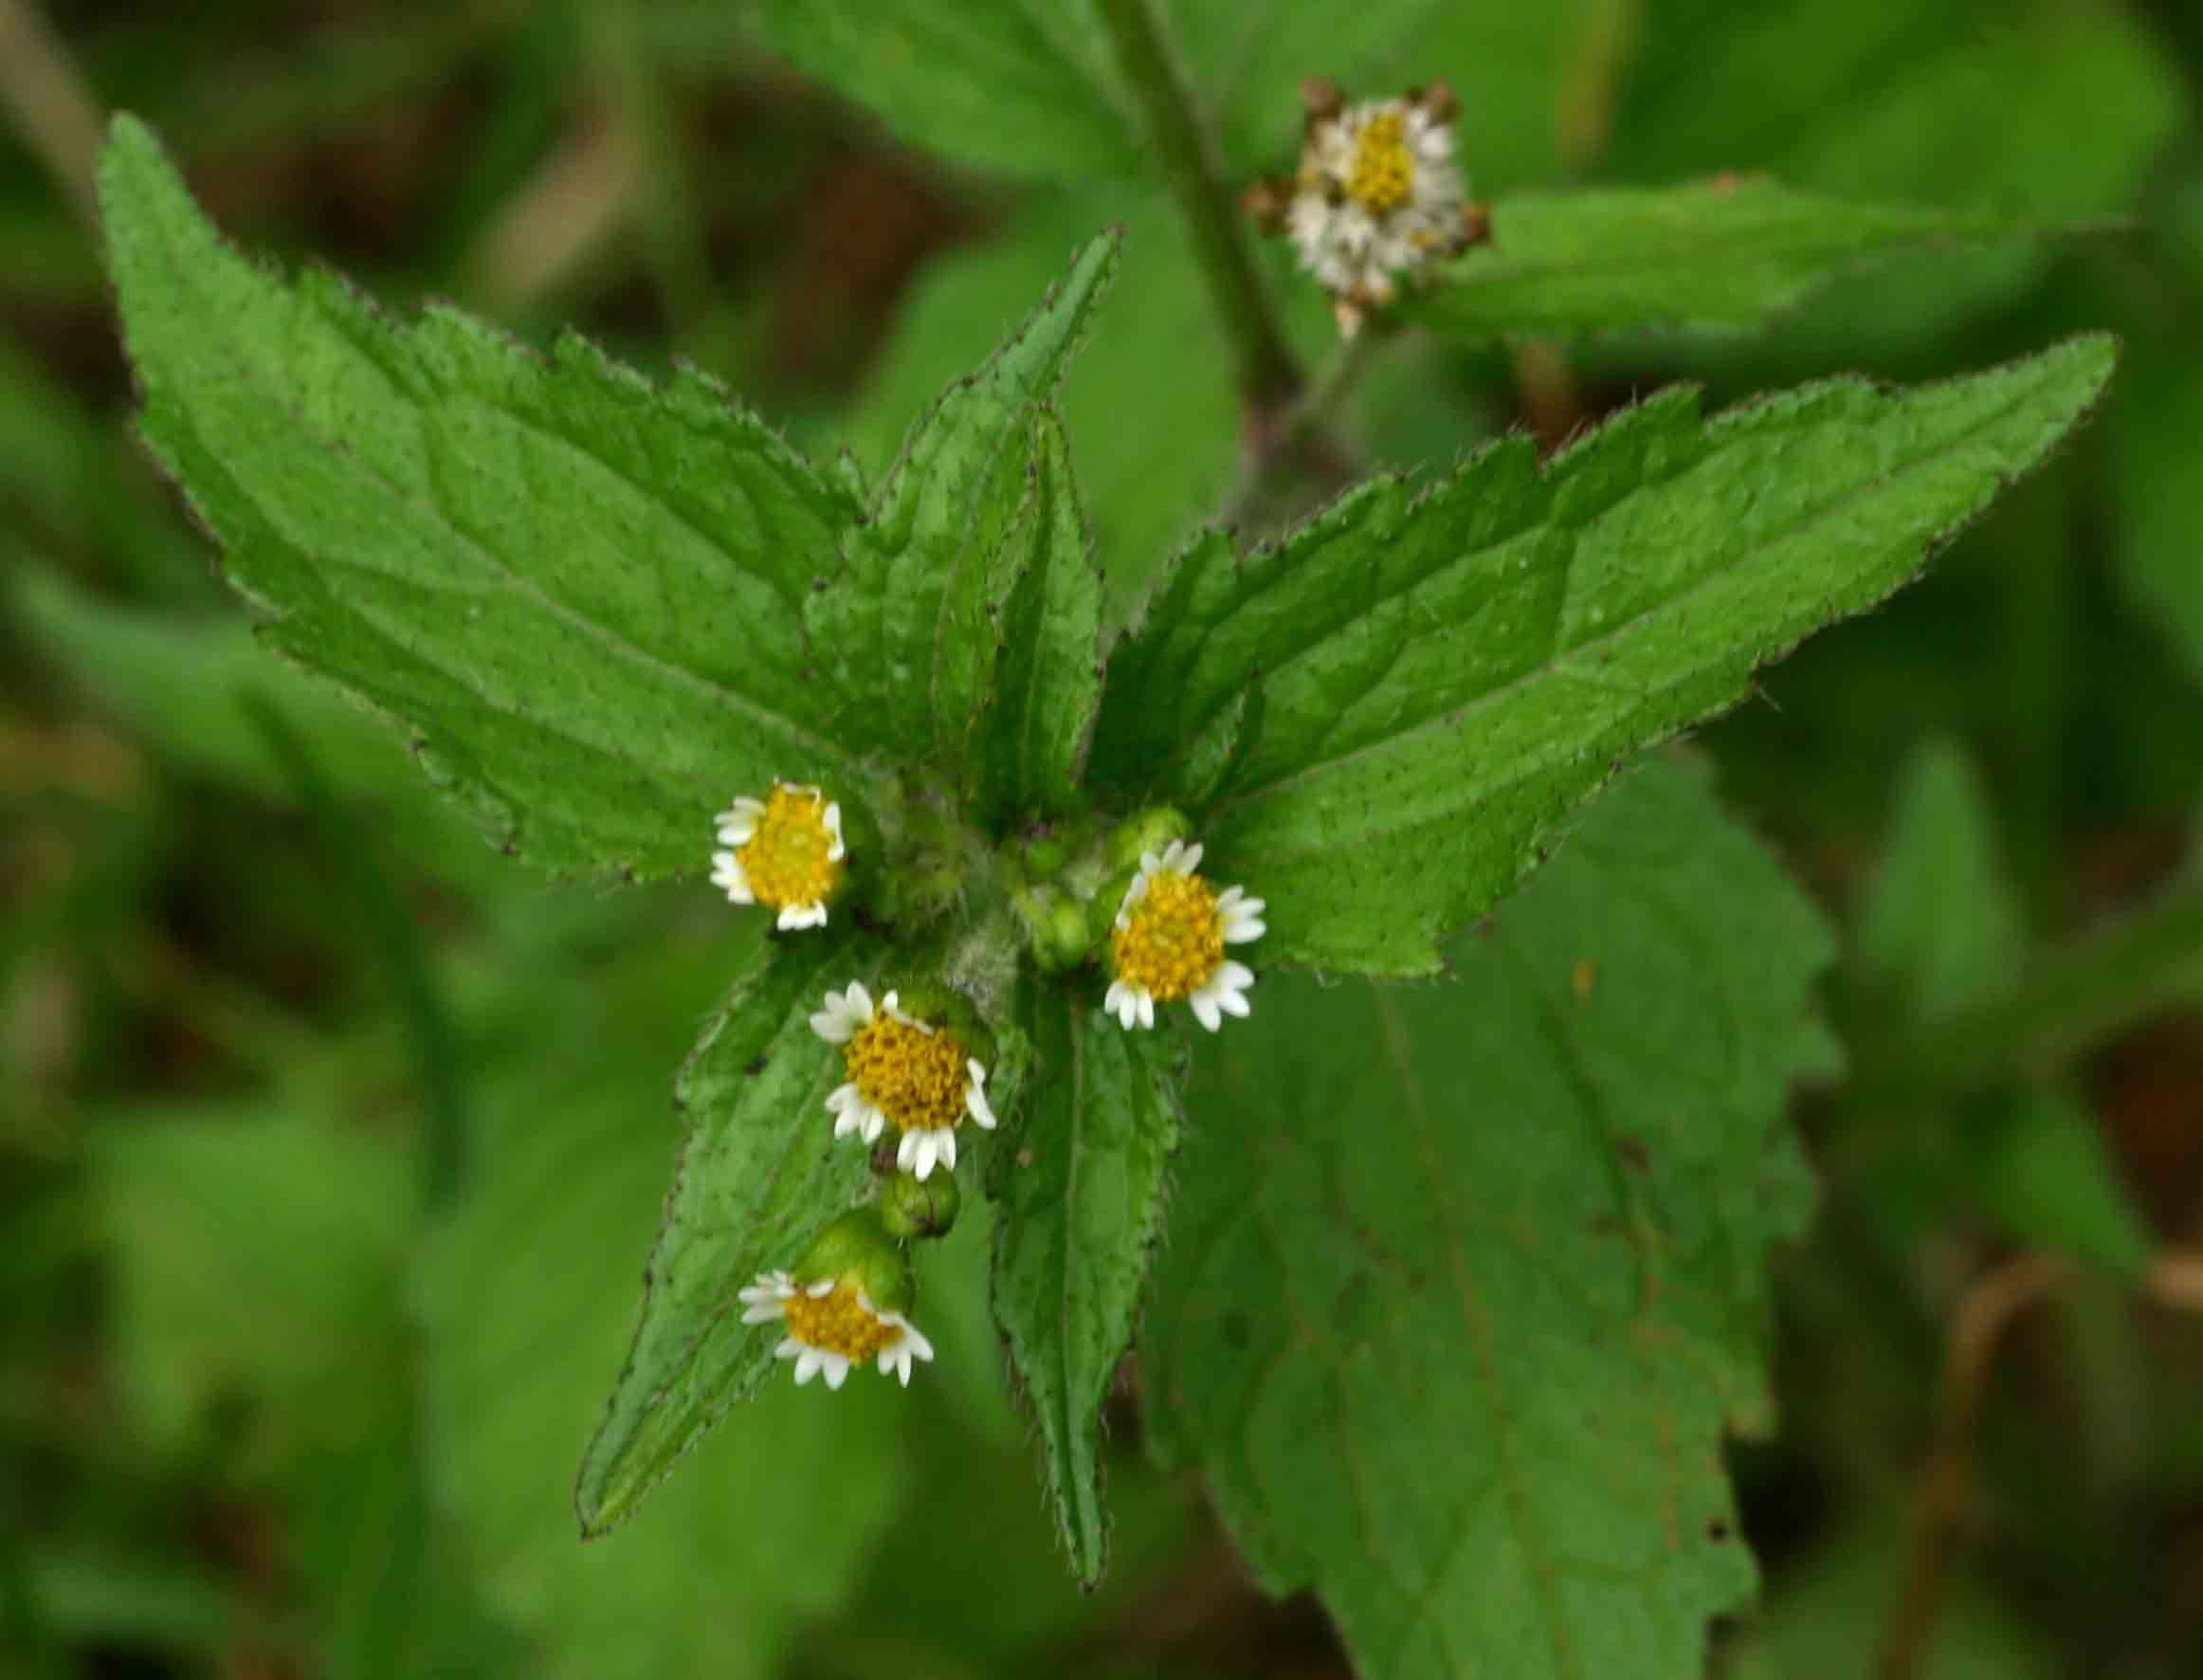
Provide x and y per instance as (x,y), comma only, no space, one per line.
(331,1147)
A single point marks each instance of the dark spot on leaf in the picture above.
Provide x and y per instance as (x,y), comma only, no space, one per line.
(819,586)
(755,1065)
(1717,1531)
(1633,1153)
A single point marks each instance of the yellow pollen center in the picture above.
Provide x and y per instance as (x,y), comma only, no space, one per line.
(1174,938)
(1384,169)
(787,860)
(838,1322)
(917,1079)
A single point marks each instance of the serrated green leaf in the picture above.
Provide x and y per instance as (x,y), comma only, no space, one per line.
(1942,924)
(582,594)
(1466,1282)
(1156,353)
(1713,256)
(760,1171)
(1049,680)
(528,1292)
(1446,676)
(2053,111)
(1023,86)
(913,611)
(1081,1191)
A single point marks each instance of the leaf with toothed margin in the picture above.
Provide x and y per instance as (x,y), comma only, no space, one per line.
(1081,1184)
(1466,1282)
(1446,676)
(759,1171)
(906,631)
(1713,256)
(1048,682)
(582,594)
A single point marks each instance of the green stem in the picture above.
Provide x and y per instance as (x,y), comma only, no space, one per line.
(2071,1002)
(1301,428)
(1269,377)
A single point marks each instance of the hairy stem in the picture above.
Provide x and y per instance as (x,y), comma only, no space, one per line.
(2069,1004)
(1299,429)
(1269,378)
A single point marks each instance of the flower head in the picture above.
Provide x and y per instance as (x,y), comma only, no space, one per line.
(1377,195)
(918,1076)
(843,1302)
(1168,938)
(784,852)
(831,1326)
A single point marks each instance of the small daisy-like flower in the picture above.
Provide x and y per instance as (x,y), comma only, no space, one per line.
(913,1075)
(1377,195)
(1169,940)
(784,852)
(832,1325)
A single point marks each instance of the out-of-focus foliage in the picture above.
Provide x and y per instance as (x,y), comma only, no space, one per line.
(270,1405)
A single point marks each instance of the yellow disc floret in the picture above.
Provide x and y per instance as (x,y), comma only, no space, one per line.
(1172,937)
(916,1078)
(838,1322)
(790,859)
(1383,172)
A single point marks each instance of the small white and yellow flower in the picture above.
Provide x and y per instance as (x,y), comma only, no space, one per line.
(913,1075)
(1377,195)
(831,1326)
(784,852)
(1168,938)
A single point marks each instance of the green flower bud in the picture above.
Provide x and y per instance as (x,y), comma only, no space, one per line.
(1070,940)
(912,1208)
(1146,831)
(1044,857)
(856,1248)
(940,1006)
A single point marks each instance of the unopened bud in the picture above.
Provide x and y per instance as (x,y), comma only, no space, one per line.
(912,1208)
(856,1249)
(1142,833)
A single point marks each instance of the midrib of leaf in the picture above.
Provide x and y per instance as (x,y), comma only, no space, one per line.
(250,371)
(1460,1273)
(1556,663)
(965,523)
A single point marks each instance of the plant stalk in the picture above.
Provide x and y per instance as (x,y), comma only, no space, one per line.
(1269,377)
